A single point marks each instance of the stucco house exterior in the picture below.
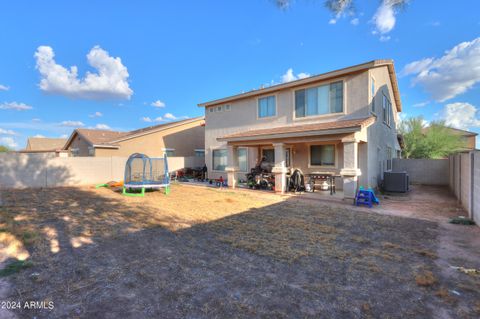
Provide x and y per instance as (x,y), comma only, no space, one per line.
(182,138)
(341,122)
(45,145)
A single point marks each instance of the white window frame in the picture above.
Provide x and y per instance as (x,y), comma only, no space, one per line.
(373,91)
(213,164)
(335,145)
(199,150)
(165,150)
(247,157)
(258,107)
(310,117)
(75,151)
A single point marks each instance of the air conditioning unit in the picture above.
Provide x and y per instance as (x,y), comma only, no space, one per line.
(396,182)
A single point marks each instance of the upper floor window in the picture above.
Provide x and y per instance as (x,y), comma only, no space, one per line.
(387,111)
(75,151)
(267,106)
(169,151)
(91,151)
(373,94)
(319,100)
(199,152)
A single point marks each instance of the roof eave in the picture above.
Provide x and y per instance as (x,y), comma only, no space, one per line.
(324,76)
(291,134)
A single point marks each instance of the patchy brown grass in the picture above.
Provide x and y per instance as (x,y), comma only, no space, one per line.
(425,278)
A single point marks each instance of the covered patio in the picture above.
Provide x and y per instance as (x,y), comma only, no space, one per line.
(333,148)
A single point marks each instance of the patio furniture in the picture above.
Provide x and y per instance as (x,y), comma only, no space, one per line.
(317,180)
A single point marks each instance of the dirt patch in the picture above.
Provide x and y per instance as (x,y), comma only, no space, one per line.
(207,253)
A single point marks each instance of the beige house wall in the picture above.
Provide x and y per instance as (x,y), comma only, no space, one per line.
(242,116)
(380,135)
(82,145)
(183,138)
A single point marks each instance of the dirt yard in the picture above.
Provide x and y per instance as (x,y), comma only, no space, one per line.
(208,253)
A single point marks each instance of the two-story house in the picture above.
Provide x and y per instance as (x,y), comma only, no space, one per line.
(341,122)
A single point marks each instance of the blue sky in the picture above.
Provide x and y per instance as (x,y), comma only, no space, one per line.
(181,53)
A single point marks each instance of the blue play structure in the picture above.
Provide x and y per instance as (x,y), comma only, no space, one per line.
(366,197)
(143,172)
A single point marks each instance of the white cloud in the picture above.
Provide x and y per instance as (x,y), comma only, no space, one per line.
(158,103)
(14,106)
(36,120)
(72,124)
(460,115)
(96,114)
(355,21)
(39,136)
(384,18)
(149,120)
(384,38)
(421,104)
(7,132)
(4,88)
(110,81)
(64,136)
(332,21)
(8,141)
(457,71)
(169,116)
(102,127)
(290,76)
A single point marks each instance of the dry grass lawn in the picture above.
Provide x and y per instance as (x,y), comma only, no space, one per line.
(206,253)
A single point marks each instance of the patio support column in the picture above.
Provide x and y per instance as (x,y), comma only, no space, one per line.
(232,166)
(280,169)
(350,170)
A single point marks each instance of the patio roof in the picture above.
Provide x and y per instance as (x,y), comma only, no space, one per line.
(326,128)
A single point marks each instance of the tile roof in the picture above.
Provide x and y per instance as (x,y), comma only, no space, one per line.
(45,144)
(339,124)
(96,137)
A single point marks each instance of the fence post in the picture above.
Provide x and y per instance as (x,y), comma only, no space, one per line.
(472,184)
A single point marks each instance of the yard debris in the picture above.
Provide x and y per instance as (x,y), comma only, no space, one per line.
(468,271)
(462,220)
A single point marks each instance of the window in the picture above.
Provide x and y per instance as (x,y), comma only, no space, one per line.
(387,111)
(169,151)
(219,160)
(267,106)
(212,109)
(219,108)
(242,159)
(199,153)
(389,158)
(91,151)
(227,107)
(373,94)
(322,155)
(269,154)
(74,151)
(319,100)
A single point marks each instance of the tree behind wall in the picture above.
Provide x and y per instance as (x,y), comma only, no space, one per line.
(4,149)
(433,141)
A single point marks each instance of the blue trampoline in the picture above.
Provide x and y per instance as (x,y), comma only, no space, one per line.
(143,172)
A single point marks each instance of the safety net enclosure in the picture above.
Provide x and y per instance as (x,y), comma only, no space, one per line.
(143,172)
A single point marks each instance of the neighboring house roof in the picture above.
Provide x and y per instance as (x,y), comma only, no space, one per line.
(339,126)
(42,144)
(324,76)
(157,128)
(463,132)
(109,139)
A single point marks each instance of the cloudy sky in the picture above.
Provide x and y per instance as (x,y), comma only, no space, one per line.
(127,64)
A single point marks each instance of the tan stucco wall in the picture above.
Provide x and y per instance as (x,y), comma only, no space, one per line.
(184,139)
(243,114)
(81,144)
(380,136)
(470,142)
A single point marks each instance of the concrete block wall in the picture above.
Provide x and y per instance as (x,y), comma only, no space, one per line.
(424,171)
(465,182)
(40,170)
